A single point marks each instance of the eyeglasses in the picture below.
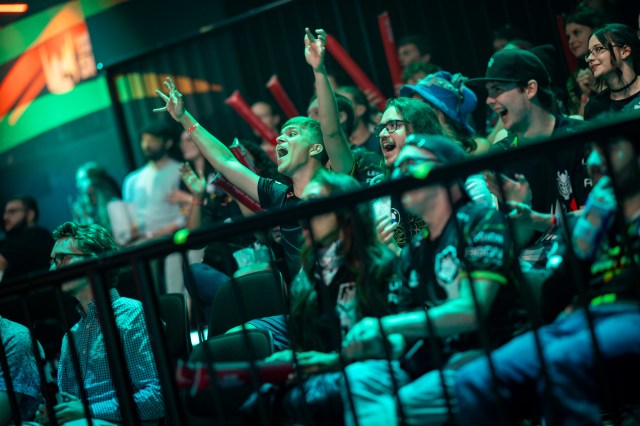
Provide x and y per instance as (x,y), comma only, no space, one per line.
(391,126)
(62,258)
(597,51)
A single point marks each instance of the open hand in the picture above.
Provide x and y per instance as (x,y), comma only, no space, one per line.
(173,101)
(314,49)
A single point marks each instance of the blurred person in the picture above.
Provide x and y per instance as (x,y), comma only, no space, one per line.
(26,246)
(417,71)
(573,394)
(149,187)
(502,35)
(581,85)
(362,133)
(464,245)
(266,112)
(614,60)
(96,190)
(414,48)
(23,370)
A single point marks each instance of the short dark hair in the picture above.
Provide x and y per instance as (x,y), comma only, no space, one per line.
(29,203)
(160,129)
(421,42)
(425,67)
(90,239)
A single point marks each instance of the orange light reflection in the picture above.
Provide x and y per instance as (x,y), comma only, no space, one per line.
(13,8)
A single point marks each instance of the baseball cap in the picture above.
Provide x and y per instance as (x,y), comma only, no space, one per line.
(513,65)
(447,93)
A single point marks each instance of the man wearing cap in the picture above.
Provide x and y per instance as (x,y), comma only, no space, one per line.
(519,90)
(464,253)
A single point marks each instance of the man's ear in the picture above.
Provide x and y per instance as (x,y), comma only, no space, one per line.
(426,57)
(316,149)
(31,217)
(532,89)
(169,143)
(342,117)
(360,110)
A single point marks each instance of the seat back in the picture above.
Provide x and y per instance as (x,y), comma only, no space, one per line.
(228,348)
(261,293)
(173,310)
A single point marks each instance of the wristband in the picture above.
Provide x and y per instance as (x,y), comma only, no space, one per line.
(197,201)
(191,128)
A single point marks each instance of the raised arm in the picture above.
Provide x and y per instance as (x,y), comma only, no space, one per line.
(213,150)
(335,141)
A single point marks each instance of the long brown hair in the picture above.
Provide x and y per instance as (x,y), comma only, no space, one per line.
(367,262)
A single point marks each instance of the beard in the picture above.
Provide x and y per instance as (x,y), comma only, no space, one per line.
(17,228)
(155,155)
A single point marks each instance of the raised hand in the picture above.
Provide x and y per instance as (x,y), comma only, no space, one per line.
(173,101)
(315,48)
(195,182)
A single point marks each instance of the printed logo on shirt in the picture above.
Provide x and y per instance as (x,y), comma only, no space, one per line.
(447,269)
(346,305)
(564,184)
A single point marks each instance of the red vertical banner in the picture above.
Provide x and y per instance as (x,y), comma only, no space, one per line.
(354,71)
(572,62)
(390,49)
(237,102)
(281,97)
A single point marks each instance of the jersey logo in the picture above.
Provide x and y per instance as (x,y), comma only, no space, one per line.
(564,185)
(447,269)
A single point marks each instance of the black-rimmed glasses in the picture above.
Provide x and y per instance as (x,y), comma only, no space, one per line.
(391,126)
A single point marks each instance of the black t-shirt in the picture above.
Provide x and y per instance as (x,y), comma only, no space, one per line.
(274,195)
(563,179)
(368,164)
(26,251)
(484,249)
(602,103)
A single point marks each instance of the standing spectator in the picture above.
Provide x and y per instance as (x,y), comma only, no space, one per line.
(27,246)
(362,134)
(414,48)
(266,112)
(148,188)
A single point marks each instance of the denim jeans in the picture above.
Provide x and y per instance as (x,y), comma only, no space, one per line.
(573,395)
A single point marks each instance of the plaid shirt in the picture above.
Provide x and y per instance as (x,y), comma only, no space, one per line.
(94,366)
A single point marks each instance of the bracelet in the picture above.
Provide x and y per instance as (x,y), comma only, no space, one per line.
(197,201)
(584,99)
(192,128)
(554,221)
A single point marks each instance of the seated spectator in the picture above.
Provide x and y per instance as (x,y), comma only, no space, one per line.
(345,276)
(614,60)
(581,84)
(27,245)
(75,243)
(464,244)
(417,71)
(571,391)
(453,103)
(25,378)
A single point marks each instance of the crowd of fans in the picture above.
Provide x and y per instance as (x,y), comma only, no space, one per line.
(394,304)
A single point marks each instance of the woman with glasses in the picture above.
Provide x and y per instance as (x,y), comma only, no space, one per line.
(614,60)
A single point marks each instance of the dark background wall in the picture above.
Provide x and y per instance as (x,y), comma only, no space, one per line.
(239,45)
